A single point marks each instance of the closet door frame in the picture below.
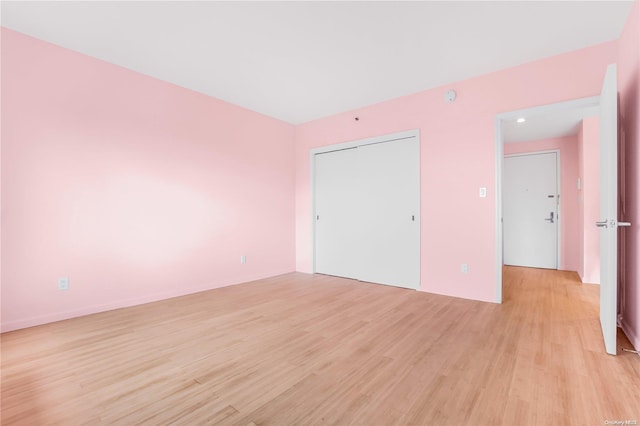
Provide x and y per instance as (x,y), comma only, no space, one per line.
(346,145)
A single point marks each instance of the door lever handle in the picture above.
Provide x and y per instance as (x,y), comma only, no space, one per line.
(550,218)
(605,224)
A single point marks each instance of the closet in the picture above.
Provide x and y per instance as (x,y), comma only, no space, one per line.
(367,210)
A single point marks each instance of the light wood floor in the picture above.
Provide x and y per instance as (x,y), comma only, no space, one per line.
(302,349)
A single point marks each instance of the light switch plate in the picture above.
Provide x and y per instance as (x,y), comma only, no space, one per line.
(483,192)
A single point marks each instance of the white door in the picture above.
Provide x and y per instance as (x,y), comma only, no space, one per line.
(530,210)
(367,210)
(336,182)
(609,209)
(389,194)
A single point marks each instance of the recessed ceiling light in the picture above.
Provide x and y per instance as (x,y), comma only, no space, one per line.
(521,120)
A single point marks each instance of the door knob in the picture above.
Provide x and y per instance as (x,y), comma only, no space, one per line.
(550,218)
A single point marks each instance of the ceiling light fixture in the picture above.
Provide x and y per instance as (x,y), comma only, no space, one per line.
(521,120)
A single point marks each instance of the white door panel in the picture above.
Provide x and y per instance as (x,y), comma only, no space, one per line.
(389,198)
(530,210)
(336,181)
(609,209)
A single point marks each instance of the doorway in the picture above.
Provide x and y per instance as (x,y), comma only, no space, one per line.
(538,123)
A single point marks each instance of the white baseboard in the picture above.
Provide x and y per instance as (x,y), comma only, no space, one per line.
(94,309)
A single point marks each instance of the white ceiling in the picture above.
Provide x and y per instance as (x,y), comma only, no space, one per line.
(299,61)
(547,125)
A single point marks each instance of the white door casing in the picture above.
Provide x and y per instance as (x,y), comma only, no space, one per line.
(530,210)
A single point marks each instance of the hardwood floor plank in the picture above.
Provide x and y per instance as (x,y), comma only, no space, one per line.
(314,349)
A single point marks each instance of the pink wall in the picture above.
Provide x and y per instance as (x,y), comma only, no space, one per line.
(138,189)
(134,188)
(457,157)
(589,143)
(570,236)
(629,79)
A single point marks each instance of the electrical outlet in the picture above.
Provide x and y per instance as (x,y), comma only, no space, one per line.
(464,268)
(63,283)
(243,259)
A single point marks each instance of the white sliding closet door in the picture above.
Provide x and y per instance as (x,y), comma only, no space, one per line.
(389,240)
(367,210)
(336,212)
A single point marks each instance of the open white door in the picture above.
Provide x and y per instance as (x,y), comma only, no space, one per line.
(608,223)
